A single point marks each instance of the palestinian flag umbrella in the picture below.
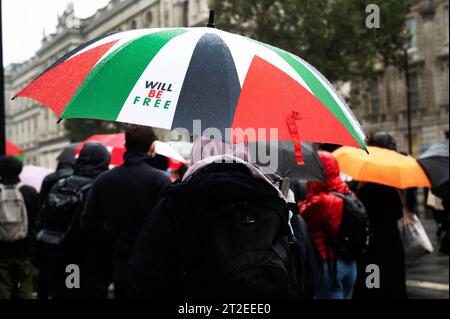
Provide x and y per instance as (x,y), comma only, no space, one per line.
(13,150)
(115,143)
(167,78)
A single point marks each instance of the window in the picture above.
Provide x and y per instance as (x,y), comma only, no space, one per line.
(374,98)
(411,25)
(414,90)
(133,24)
(149,19)
(166,18)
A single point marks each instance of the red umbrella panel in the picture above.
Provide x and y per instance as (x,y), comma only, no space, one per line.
(12,149)
(115,143)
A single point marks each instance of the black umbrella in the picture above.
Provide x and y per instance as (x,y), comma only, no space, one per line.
(285,164)
(434,162)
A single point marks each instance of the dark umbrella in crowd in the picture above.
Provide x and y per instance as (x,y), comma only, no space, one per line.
(284,163)
(434,162)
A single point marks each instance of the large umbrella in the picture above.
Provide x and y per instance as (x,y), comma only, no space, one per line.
(169,77)
(381,166)
(115,143)
(435,164)
(34,175)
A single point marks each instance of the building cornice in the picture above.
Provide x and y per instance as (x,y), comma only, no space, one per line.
(106,14)
(55,40)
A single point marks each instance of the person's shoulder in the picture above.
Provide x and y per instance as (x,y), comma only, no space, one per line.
(28,190)
(314,201)
(106,176)
(50,177)
(160,177)
(151,172)
(325,199)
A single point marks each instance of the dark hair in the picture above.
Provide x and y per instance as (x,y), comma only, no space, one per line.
(10,167)
(382,139)
(139,138)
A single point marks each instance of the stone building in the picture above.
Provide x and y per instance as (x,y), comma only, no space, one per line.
(34,127)
(383,104)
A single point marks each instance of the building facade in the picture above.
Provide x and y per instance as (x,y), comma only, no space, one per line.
(383,106)
(34,127)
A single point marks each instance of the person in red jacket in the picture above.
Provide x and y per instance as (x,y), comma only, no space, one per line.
(322,211)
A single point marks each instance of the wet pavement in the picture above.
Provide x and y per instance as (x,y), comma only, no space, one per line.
(427,277)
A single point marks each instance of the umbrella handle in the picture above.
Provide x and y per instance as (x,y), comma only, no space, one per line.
(293,129)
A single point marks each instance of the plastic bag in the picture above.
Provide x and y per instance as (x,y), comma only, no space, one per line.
(415,239)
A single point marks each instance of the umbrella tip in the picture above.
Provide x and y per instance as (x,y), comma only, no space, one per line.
(211,19)
(59,120)
(13,98)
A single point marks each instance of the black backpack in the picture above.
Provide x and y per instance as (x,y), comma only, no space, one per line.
(353,235)
(239,250)
(59,224)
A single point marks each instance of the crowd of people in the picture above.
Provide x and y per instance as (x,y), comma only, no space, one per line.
(222,229)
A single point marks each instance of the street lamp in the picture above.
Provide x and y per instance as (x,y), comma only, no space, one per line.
(406,37)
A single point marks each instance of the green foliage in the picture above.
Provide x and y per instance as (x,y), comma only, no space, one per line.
(80,129)
(330,34)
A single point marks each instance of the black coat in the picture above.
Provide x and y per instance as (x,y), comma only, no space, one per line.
(154,265)
(119,202)
(51,179)
(93,257)
(384,207)
(21,249)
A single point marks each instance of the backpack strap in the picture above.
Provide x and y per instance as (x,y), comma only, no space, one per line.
(76,216)
(16,188)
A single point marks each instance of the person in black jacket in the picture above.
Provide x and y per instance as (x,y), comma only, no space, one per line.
(92,256)
(15,266)
(174,240)
(155,263)
(384,208)
(122,198)
(66,165)
(65,168)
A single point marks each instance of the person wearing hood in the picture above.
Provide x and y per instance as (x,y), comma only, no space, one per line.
(322,211)
(184,248)
(15,266)
(65,167)
(79,249)
(384,208)
(122,198)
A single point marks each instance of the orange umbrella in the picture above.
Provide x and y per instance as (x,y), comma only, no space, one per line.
(381,166)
